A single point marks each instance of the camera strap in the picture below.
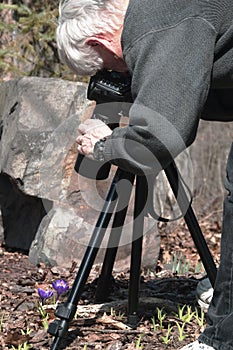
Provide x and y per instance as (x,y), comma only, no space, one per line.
(151,211)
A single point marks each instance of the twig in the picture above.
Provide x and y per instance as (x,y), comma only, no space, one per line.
(121,331)
(86,310)
(209,215)
(20,303)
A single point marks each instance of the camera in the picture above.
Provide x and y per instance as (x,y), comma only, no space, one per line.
(110,86)
(112,92)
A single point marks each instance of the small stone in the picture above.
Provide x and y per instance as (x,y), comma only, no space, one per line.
(26,306)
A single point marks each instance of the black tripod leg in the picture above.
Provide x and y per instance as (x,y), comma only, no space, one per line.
(105,280)
(66,311)
(191,221)
(136,253)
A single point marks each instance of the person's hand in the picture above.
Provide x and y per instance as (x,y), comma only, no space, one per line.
(91,131)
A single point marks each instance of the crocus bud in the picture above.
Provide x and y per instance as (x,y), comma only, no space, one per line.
(44,294)
(60,286)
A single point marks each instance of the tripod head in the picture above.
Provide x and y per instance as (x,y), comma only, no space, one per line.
(112,92)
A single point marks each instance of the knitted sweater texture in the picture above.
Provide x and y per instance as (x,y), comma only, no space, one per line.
(180,56)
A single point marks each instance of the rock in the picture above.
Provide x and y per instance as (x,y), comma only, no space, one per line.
(46,206)
(64,235)
(21,214)
(32,109)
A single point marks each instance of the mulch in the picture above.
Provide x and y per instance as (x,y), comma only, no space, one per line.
(105,326)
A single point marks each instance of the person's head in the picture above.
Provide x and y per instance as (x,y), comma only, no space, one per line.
(88,34)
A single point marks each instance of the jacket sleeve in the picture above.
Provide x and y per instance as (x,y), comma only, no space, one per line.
(171,74)
(219,105)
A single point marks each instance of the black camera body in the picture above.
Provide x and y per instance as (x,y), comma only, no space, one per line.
(110,86)
(112,92)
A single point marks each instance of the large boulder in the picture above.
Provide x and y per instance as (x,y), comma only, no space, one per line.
(31,109)
(48,209)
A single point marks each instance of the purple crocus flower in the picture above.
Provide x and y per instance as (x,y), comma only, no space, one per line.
(44,294)
(60,286)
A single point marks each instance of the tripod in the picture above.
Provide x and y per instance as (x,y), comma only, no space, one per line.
(117,197)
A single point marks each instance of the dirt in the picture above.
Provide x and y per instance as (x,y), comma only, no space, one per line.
(162,288)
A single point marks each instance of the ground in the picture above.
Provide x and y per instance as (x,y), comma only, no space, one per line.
(163,291)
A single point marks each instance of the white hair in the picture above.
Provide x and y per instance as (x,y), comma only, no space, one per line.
(80,19)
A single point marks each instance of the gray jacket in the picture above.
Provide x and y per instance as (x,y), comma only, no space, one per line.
(180,56)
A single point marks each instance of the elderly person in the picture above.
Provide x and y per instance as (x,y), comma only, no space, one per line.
(180,56)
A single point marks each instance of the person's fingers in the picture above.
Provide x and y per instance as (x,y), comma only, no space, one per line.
(85,144)
(79,139)
(80,150)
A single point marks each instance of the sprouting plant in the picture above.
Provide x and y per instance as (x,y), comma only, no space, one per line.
(155,326)
(120,315)
(24,346)
(27,332)
(138,342)
(199,268)
(182,336)
(185,316)
(76,315)
(200,318)
(2,320)
(44,315)
(178,264)
(45,322)
(161,316)
(166,338)
(113,313)
(42,311)
(85,347)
